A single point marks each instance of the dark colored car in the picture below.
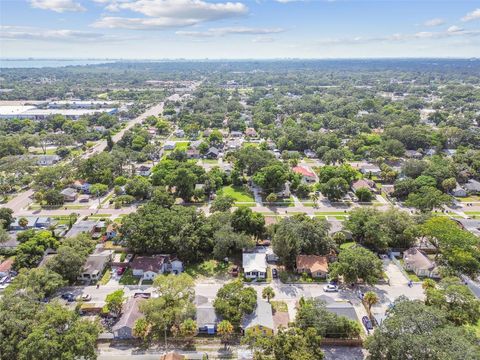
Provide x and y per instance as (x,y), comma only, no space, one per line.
(68,296)
(274,273)
(367,323)
(120,271)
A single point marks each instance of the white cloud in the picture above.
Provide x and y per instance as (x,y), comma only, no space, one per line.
(434,22)
(230,31)
(168,13)
(32,33)
(474,15)
(57,5)
(263,39)
(451,32)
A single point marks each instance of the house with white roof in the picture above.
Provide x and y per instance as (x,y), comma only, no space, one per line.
(254,264)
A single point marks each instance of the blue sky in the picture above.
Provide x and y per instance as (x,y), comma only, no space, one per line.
(156,29)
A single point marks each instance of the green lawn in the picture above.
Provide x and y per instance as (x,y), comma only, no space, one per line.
(128,278)
(331,213)
(210,161)
(208,268)
(181,145)
(237,192)
(412,276)
(472,212)
(469,199)
(106,277)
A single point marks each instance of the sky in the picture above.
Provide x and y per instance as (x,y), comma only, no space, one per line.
(223,29)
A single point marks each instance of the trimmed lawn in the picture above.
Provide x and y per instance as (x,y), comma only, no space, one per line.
(106,277)
(279,306)
(208,268)
(469,199)
(181,145)
(238,193)
(412,276)
(128,278)
(472,212)
(210,161)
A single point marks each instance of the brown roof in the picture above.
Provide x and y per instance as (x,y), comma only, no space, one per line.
(363,183)
(172,356)
(6,265)
(314,263)
(131,313)
(148,263)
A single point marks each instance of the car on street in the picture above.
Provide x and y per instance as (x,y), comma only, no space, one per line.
(120,271)
(84,297)
(274,273)
(68,296)
(330,288)
(367,323)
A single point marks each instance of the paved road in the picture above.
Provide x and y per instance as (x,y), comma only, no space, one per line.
(102,144)
(20,201)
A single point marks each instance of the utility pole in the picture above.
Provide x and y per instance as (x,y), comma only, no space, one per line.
(165,337)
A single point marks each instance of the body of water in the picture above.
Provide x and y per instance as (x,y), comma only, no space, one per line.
(40,63)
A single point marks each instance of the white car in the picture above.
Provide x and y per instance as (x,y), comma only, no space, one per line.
(330,288)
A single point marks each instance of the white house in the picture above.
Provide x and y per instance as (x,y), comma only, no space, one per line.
(419,263)
(147,267)
(254,265)
(169,145)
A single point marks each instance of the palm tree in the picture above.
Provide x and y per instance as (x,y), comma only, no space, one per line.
(370,299)
(314,198)
(268,293)
(225,330)
(23,222)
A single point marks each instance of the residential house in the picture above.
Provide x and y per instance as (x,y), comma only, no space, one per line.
(15,226)
(310,154)
(123,329)
(195,144)
(212,153)
(111,232)
(206,317)
(416,261)
(450,152)
(234,144)
(413,154)
(472,225)
(364,183)
(82,186)
(236,134)
(46,160)
(144,170)
(95,265)
(179,133)
(82,227)
(260,321)
(251,132)
(69,194)
(6,266)
(314,265)
(43,222)
(193,154)
(459,191)
(254,264)
(472,186)
(370,169)
(388,189)
(308,176)
(169,145)
(147,267)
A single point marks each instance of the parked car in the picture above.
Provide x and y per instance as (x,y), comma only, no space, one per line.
(274,273)
(330,288)
(84,297)
(367,323)
(68,296)
(129,257)
(120,271)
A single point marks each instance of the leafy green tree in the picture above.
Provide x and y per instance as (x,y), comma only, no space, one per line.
(188,328)
(37,283)
(227,242)
(416,331)
(6,217)
(225,330)
(114,302)
(30,252)
(370,298)
(271,178)
(139,187)
(245,220)
(271,198)
(314,314)
(334,189)
(357,263)
(23,222)
(98,189)
(53,197)
(364,195)
(222,203)
(456,299)
(300,234)
(234,301)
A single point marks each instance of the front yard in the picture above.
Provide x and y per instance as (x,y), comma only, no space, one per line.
(128,278)
(239,193)
(209,269)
